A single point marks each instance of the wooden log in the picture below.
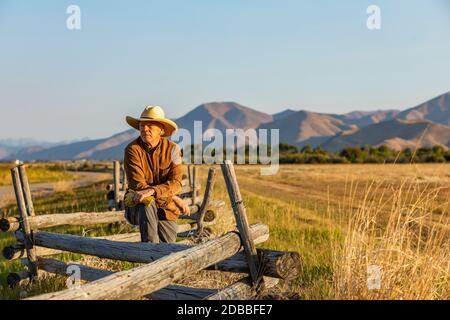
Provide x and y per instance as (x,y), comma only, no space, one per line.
(276,264)
(210,215)
(12,224)
(139,252)
(116,183)
(206,198)
(285,265)
(194,184)
(241,290)
(177,292)
(124,178)
(156,275)
(193,233)
(17,251)
(241,219)
(26,190)
(126,237)
(124,251)
(14,278)
(171,292)
(189,176)
(18,190)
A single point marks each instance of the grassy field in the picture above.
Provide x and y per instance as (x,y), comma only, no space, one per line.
(36,173)
(342,219)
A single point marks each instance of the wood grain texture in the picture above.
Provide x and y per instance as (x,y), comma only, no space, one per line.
(171,292)
(28,243)
(241,219)
(241,290)
(156,275)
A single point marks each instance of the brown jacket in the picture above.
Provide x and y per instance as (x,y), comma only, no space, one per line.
(148,167)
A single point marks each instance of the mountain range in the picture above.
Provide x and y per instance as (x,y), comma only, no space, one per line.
(425,125)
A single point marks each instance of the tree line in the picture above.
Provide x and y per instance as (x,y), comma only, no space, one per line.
(365,154)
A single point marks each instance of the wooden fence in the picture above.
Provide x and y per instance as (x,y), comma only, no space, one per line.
(163,263)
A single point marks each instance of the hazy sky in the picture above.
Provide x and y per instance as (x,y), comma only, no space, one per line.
(58,84)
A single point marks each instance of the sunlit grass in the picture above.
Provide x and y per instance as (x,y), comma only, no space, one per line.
(36,173)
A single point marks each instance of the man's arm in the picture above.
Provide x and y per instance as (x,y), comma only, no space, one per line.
(173,184)
(135,174)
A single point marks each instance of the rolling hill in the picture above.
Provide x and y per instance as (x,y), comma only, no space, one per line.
(423,125)
(396,134)
(436,110)
(304,127)
(223,115)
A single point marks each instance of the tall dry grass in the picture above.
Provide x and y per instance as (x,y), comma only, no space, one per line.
(63,186)
(396,246)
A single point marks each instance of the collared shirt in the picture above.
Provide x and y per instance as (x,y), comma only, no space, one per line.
(156,167)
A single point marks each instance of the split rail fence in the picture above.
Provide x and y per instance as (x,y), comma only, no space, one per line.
(163,263)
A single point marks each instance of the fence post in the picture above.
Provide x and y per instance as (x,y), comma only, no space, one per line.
(124,178)
(241,221)
(116,183)
(26,190)
(206,197)
(194,184)
(189,176)
(31,254)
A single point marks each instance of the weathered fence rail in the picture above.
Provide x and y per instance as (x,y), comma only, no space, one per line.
(161,264)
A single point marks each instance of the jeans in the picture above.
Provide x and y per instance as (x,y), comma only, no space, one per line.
(154,226)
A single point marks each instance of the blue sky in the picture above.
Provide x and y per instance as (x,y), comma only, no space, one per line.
(57,84)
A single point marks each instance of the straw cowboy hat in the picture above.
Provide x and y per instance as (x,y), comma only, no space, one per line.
(154,114)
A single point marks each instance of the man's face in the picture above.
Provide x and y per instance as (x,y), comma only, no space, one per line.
(150,131)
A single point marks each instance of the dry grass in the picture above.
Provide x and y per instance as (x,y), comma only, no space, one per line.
(63,186)
(344,219)
(405,257)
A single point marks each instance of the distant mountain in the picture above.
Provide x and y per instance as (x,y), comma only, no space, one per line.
(282,114)
(108,148)
(362,118)
(436,110)
(424,125)
(223,115)
(304,127)
(25,142)
(396,134)
(5,151)
(218,115)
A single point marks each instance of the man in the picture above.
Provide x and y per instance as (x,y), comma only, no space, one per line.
(153,169)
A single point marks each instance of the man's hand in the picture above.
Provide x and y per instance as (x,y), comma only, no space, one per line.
(182,205)
(186,210)
(141,195)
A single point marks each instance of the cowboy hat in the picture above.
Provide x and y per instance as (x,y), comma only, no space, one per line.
(154,114)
